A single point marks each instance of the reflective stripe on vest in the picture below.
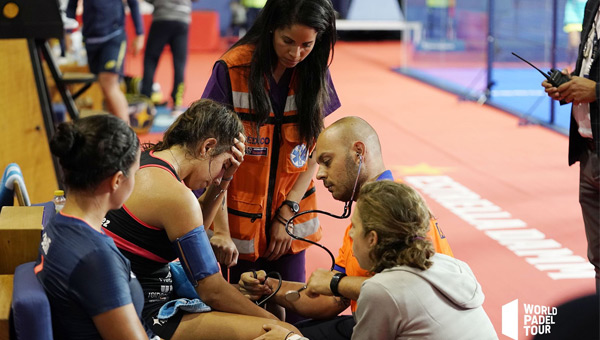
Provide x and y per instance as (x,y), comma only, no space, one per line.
(243,246)
(301,230)
(306,228)
(241,100)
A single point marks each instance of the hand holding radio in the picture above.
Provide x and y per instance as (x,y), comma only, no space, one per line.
(554,76)
(579,90)
(557,78)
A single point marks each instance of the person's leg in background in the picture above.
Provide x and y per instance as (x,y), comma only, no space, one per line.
(179,48)
(251,14)
(157,39)
(589,198)
(106,60)
(115,99)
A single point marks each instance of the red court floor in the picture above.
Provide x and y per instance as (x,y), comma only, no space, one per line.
(503,193)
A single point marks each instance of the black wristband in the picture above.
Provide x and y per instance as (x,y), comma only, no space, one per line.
(281,219)
(335,282)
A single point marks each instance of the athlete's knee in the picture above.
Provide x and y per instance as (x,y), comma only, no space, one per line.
(108,79)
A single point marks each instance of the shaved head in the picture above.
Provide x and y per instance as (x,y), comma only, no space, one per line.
(350,129)
(349,154)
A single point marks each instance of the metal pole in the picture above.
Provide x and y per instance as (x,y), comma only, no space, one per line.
(553,52)
(490,49)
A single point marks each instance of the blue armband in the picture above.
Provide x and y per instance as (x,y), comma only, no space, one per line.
(196,255)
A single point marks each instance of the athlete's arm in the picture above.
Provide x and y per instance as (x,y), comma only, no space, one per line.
(174,207)
(221,242)
(320,280)
(319,307)
(120,323)
(214,198)
(214,208)
(180,219)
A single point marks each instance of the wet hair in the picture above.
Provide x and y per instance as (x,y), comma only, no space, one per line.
(204,119)
(312,89)
(400,217)
(92,149)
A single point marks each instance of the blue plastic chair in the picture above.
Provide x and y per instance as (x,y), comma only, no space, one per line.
(13,184)
(30,308)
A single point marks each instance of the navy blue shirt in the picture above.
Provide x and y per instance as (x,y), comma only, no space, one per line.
(84,275)
(103,19)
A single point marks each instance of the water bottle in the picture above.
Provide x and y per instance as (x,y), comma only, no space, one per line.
(59,200)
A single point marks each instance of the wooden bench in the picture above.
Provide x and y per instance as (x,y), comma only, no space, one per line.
(20,235)
(6,289)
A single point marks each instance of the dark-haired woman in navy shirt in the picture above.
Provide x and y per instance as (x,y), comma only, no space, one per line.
(92,292)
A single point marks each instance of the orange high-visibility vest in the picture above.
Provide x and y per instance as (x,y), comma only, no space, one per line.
(274,159)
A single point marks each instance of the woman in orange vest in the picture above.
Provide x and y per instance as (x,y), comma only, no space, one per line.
(277,80)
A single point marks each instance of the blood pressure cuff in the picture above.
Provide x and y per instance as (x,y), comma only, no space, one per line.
(196,255)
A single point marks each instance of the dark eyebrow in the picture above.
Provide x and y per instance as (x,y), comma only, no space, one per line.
(303,43)
(321,156)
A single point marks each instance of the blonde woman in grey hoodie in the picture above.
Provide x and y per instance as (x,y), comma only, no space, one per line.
(415,292)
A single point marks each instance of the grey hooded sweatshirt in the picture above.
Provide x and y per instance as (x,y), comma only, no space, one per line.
(443,302)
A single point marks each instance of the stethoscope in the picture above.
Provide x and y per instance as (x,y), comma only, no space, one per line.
(294,295)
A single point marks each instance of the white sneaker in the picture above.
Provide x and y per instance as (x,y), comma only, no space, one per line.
(177,111)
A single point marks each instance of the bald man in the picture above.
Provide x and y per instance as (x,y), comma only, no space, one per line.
(348,153)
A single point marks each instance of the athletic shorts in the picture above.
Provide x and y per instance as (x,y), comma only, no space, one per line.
(164,328)
(107,56)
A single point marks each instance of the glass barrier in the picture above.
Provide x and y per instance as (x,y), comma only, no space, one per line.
(466,48)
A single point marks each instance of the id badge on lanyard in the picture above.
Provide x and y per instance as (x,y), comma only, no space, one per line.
(590,49)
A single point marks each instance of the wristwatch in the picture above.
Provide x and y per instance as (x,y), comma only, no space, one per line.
(296,337)
(294,206)
(335,282)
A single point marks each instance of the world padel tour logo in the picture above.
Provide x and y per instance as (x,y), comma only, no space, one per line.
(537,319)
(299,155)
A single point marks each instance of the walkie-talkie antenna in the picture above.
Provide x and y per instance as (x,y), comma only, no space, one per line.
(530,64)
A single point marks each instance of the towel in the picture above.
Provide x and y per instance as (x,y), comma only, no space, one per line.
(187,305)
(189,300)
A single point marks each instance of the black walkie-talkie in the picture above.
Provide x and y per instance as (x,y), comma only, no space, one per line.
(554,76)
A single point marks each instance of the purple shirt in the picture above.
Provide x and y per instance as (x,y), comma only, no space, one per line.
(218,89)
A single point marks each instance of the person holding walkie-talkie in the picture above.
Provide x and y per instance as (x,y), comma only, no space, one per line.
(583,91)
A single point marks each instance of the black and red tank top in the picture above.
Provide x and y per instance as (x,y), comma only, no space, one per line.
(147,247)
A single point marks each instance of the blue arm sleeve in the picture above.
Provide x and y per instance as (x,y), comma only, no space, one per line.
(196,255)
(100,282)
(134,8)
